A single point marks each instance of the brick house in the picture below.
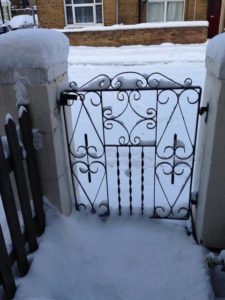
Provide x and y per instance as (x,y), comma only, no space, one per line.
(73,15)
(110,12)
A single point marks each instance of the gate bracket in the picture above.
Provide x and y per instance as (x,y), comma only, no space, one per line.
(194,199)
(204,110)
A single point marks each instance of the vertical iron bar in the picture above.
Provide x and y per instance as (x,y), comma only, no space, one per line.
(174,155)
(88,162)
(130,180)
(156,145)
(142,180)
(105,157)
(118,179)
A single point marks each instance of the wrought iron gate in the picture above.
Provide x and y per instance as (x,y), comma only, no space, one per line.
(132,143)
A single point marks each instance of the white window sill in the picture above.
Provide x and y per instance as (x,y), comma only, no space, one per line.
(82,25)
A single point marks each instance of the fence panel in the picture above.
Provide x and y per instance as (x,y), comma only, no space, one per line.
(17,161)
(25,125)
(11,161)
(5,269)
(11,215)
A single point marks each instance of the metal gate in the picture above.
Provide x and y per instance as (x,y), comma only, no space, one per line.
(132,143)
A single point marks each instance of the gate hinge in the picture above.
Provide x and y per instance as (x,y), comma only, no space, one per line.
(204,110)
(194,198)
(65,97)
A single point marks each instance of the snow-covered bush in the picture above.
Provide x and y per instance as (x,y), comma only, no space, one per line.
(214,260)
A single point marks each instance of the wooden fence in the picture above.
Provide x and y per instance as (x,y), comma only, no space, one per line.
(33,219)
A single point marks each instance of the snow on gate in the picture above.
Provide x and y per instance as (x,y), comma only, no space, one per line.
(132,143)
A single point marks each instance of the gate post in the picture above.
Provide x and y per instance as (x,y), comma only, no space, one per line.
(33,68)
(210,210)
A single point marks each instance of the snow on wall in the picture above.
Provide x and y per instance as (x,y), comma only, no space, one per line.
(32,48)
(20,89)
(151,25)
(215,56)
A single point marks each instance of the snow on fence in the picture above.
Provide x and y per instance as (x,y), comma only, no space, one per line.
(12,155)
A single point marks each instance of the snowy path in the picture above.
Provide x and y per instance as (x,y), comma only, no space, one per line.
(126,258)
(137,55)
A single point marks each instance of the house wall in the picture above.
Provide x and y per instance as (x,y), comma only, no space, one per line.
(128,12)
(149,36)
(192,14)
(51,13)
(109,12)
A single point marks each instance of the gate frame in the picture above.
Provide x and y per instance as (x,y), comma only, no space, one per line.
(106,84)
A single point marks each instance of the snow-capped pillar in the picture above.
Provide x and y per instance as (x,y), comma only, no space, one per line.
(33,68)
(210,211)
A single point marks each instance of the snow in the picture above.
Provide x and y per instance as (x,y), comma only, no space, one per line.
(162,55)
(85,257)
(151,25)
(22,109)
(20,89)
(4,2)
(21,21)
(37,139)
(128,257)
(5,146)
(34,48)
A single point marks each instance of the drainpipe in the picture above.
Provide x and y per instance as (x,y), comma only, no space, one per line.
(139,11)
(117,11)
(195,9)
(31,4)
(2,14)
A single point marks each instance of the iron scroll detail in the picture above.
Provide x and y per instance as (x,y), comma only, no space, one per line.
(133,143)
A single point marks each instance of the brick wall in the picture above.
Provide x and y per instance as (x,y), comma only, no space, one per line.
(128,12)
(51,13)
(201,10)
(152,36)
(109,12)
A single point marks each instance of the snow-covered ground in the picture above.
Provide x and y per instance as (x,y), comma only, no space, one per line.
(128,257)
(84,257)
(175,61)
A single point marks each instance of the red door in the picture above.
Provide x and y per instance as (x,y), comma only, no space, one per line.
(214,10)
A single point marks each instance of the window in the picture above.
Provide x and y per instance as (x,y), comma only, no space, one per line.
(83,12)
(165,10)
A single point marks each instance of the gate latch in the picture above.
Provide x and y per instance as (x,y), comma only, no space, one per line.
(204,110)
(65,97)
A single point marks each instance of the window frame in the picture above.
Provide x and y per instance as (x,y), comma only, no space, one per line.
(165,2)
(93,5)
